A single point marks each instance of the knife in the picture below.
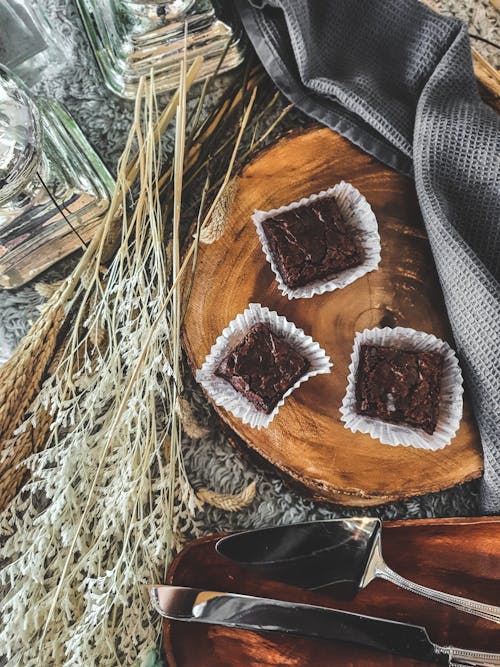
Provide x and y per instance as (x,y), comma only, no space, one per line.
(258,614)
(345,554)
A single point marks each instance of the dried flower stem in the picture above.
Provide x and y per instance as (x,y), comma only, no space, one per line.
(118,502)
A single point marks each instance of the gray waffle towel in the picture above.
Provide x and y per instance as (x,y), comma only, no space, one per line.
(397,80)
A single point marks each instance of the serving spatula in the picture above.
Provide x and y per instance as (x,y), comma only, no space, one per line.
(263,614)
(343,553)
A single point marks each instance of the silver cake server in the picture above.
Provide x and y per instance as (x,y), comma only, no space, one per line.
(263,615)
(346,553)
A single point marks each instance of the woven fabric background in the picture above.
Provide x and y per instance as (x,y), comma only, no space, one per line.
(210,461)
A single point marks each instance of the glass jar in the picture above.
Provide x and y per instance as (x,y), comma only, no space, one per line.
(54,189)
(131,38)
(28,45)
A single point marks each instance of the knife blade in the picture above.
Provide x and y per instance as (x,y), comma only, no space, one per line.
(263,614)
(266,615)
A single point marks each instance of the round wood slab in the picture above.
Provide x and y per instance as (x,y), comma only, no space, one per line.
(307,440)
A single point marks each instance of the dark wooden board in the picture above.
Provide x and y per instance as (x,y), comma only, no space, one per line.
(307,441)
(461,556)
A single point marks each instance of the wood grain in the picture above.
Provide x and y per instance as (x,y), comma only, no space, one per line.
(307,441)
(461,556)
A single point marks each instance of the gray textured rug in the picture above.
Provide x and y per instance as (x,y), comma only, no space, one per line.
(210,461)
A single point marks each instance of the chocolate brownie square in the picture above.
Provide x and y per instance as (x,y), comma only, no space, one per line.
(399,386)
(311,242)
(262,367)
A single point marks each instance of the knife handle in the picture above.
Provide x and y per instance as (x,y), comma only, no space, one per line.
(487,611)
(461,657)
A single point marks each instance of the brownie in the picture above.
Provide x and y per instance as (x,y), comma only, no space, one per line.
(262,367)
(311,242)
(399,386)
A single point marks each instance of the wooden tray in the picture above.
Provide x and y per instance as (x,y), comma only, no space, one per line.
(307,440)
(461,556)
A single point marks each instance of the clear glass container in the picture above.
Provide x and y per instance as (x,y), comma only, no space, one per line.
(129,38)
(28,45)
(54,189)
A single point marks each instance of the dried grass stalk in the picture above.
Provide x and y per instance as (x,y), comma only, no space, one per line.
(190,424)
(227,501)
(47,290)
(33,435)
(13,471)
(118,502)
(216,225)
(21,376)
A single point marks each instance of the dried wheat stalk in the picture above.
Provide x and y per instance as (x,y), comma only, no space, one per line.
(108,460)
(21,376)
(216,225)
(117,498)
(190,424)
(17,450)
(110,474)
(227,501)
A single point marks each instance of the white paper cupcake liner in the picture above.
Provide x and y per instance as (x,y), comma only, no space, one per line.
(357,214)
(450,402)
(224,394)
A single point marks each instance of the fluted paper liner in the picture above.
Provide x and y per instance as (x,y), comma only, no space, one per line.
(224,394)
(358,216)
(450,401)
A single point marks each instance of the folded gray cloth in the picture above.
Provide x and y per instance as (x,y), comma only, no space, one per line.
(397,80)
